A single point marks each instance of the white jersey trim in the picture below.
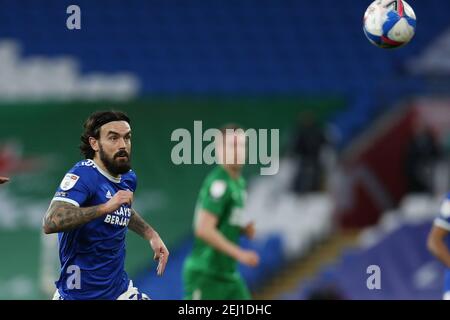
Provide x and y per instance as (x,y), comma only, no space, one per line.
(66,200)
(107,175)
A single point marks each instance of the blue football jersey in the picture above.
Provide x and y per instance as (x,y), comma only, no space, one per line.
(443,221)
(92,256)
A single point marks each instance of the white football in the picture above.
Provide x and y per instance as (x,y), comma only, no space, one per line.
(389,23)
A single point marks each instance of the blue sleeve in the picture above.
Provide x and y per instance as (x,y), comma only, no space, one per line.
(74,187)
(132,181)
(443,220)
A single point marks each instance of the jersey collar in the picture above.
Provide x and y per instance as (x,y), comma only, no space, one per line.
(107,175)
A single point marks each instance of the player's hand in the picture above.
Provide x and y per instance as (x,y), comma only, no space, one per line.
(249,230)
(249,258)
(120,198)
(161,253)
(3,180)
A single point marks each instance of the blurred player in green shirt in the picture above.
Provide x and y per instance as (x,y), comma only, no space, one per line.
(210,272)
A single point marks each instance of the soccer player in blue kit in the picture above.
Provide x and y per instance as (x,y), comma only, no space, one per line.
(92,211)
(439,242)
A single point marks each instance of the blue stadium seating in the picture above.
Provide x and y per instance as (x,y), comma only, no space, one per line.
(260,46)
(229,46)
(408,271)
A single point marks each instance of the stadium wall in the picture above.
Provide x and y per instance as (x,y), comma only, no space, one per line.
(374,164)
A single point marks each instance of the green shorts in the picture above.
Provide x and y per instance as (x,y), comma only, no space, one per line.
(201,286)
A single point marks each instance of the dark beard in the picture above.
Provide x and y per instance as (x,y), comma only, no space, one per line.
(112,165)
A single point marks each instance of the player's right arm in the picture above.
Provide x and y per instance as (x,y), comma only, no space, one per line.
(63,216)
(206,229)
(436,239)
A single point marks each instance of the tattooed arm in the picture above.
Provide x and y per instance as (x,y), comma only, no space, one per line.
(142,228)
(139,226)
(62,216)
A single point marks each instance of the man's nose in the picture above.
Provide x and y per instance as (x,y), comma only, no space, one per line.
(122,144)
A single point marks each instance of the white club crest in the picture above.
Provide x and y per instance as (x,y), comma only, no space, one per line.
(69,181)
(217,189)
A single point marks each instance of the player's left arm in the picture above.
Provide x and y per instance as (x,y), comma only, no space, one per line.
(436,244)
(142,228)
(440,230)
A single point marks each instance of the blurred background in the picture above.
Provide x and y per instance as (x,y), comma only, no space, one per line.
(364,133)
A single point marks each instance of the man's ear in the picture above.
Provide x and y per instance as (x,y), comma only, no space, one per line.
(94,143)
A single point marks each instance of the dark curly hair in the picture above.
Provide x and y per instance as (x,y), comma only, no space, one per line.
(92,128)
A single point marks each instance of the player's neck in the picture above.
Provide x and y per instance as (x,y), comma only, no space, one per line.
(235,173)
(101,166)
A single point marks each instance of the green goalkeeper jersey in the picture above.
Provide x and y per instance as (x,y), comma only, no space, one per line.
(224,197)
